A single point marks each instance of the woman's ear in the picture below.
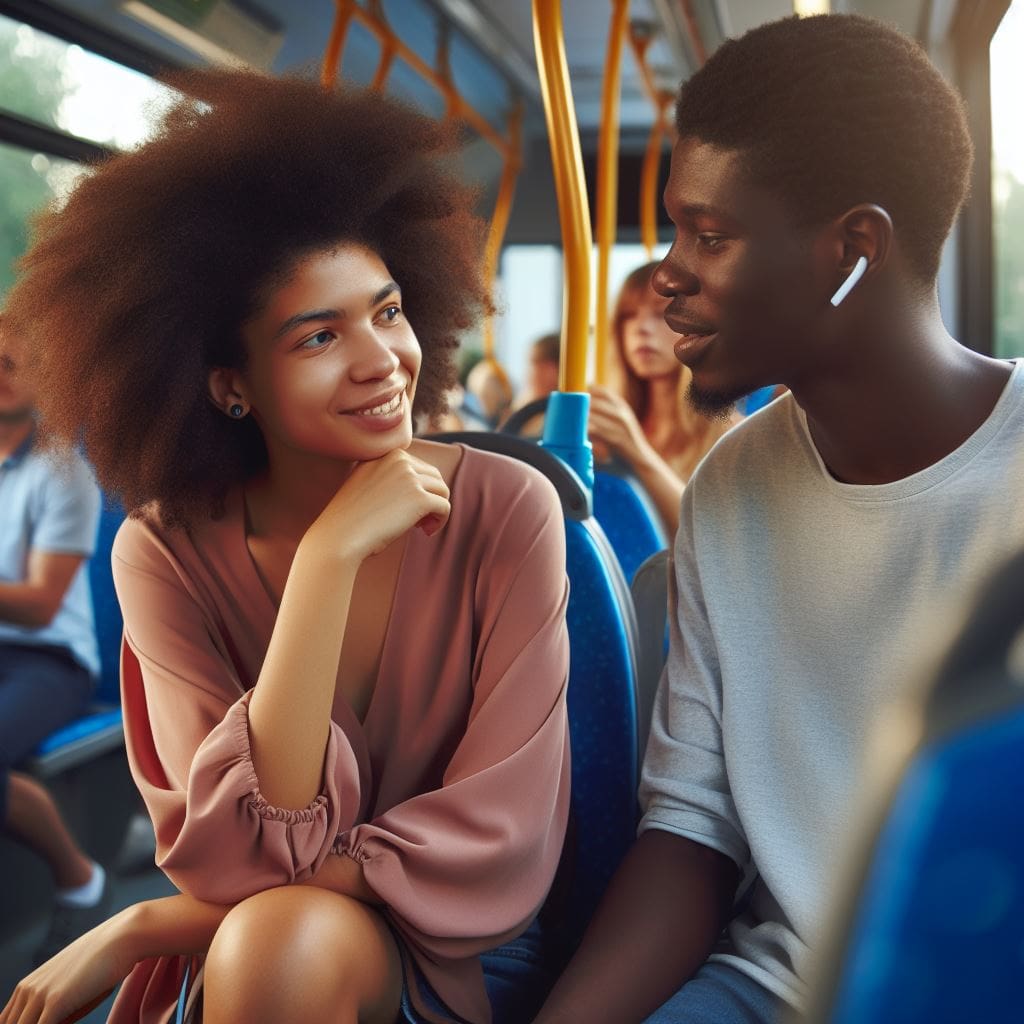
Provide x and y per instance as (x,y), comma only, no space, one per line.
(225,391)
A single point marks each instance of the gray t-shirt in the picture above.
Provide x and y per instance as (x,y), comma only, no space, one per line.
(803,605)
(50,507)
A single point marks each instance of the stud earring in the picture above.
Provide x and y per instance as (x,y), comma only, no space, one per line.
(236,411)
(848,285)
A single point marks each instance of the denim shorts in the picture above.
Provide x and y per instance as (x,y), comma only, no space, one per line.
(515,976)
(719,994)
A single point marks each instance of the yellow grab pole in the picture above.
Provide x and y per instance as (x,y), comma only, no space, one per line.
(570,186)
(649,198)
(336,43)
(608,180)
(502,209)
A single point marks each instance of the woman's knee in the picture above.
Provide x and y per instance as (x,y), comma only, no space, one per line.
(300,946)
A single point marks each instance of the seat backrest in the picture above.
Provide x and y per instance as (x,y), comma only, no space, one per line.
(650,598)
(602,691)
(930,931)
(107,612)
(627,516)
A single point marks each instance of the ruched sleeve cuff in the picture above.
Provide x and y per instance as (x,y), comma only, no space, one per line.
(233,842)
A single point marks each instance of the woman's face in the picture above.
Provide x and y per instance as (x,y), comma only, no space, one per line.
(332,360)
(647,342)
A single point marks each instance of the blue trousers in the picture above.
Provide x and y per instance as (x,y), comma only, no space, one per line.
(515,977)
(41,689)
(719,994)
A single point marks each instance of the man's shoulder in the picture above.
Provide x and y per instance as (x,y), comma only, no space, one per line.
(752,450)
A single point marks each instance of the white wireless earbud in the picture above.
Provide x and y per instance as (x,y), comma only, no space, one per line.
(850,283)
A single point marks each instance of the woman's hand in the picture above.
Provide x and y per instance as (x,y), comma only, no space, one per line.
(77,979)
(613,423)
(378,503)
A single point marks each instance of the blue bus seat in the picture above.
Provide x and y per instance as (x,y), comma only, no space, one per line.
(650,598)
(627,515)
(930,930)
(100,729)
(620,503)
(602,695)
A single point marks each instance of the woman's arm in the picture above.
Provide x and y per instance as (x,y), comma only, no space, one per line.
(290,711)
(613,422)
(83,974)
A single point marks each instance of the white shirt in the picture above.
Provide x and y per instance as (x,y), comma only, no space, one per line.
(803,605)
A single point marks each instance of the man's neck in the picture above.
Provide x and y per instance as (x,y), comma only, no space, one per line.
(900,401)
(13,435)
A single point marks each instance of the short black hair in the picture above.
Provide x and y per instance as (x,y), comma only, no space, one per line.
(836,110)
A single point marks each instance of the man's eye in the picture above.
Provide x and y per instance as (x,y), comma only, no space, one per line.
(391,313)
(710,241)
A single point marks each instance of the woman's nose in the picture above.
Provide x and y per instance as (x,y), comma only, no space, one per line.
(374,359)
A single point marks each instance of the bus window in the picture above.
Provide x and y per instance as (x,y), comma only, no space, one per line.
(1008,182)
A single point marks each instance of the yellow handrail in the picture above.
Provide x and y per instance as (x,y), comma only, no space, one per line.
(570,187)
(336,42)
(347,11)
(499,219)
(649,198)
(608,180)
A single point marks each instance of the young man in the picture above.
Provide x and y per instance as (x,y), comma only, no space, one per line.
(819,536)
(48,655)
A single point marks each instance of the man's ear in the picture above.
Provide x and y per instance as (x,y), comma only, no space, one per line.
(225,389)
(864,230)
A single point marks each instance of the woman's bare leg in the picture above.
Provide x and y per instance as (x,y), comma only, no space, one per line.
(302,954)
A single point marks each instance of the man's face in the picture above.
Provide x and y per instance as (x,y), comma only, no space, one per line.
(748,292)
(15,401)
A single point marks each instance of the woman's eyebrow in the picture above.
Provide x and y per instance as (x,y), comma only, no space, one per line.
(299,319)
(384,292)
(304,318)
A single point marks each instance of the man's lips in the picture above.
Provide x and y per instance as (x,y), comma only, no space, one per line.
(693,335)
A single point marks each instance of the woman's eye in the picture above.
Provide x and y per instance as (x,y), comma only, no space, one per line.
(391,313)
(318,340)
(710,241)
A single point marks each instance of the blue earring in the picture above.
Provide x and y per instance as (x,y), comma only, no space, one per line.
(236,411)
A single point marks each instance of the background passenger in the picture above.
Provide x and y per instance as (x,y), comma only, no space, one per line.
(488,391)
(49,514)
(345,650)
(653,429)
(542,369)
(541,379)
(822,537)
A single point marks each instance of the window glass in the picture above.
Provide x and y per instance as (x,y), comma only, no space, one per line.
(65,87)
(28,181)
(1007,71)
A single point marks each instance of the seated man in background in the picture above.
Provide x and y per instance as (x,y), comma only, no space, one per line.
(819,167)
(541,379)
(48,655)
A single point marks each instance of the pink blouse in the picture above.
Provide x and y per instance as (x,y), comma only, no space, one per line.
(453,792)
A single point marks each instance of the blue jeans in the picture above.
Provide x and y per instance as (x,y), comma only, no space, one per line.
(719,994)
(41,689)
(516,979)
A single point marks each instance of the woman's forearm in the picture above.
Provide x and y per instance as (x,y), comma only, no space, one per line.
(664,487)
(290,710)
(174,925)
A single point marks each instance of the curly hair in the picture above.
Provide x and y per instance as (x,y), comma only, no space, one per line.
(836,110)
(139,286)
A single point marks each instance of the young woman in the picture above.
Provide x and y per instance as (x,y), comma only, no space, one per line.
(345,651)
(653,428)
